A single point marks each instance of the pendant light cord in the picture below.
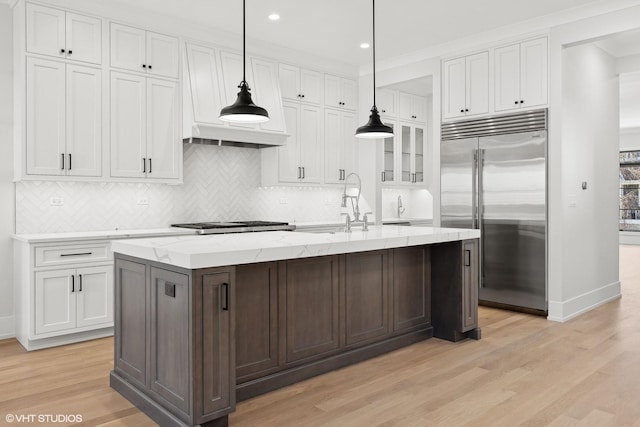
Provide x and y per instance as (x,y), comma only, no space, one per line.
(374,53)
(244,44)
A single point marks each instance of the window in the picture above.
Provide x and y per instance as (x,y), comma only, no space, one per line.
(629,186)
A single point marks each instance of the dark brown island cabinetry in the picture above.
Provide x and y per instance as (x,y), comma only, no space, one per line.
(188,343)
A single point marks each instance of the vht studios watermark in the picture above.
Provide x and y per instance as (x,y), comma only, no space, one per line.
(43,418)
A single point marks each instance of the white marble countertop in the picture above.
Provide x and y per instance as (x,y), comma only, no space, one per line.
(102,235)
(231,249)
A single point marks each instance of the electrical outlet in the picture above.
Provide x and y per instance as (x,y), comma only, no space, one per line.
(284,201)
(142,201)
(56,201)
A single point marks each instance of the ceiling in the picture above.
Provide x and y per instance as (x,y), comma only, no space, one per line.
(334,29)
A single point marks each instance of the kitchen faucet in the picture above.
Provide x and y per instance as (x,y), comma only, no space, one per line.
(355,207)
(400,208)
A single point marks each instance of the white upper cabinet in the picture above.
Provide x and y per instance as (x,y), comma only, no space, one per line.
(267,95)
(64,119)
(340,149)
(521,75)
(412,107)
(135,49)
(63,34)
(387,100)
(145,139)
(299,84)
(206,95)
(465,88)
(339,92)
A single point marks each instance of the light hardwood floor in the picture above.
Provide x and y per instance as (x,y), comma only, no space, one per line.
(525,371)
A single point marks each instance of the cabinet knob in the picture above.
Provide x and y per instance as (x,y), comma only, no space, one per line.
(144,65)
(521,101)
(303,95)
(70,52)
(62,50)
(413,117)
(462,110)
(516,103)
(150,67)
(384,111)
(466,110)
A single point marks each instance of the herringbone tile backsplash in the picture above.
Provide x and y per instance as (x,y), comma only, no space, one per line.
(220,183)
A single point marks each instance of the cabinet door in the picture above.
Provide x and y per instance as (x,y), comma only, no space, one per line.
(83,38)
(453,88)
(406,106)
(84,121)
(289,77)
(348,94)
(387,101)
(45,30)
(128,46)
(170,338)
(256,320)
(470,280)
(411,288)
(366,296)
(133,310)
(507,77)
(207,96)
(406,176)
(418,158)
(162,55)
(128,125)
(311,320)
(94,304)
(214,332)
(310,143)
(332,91)
(267,94)
(55,304)
(46,117)
(348,126)
(389,155)
(334,149)
(311,86)
(164,146)
(533,72)
(419,108)
(288,154)
(477,83)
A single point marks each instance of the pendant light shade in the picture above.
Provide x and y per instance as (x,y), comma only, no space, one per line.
(374,127)
(244,110)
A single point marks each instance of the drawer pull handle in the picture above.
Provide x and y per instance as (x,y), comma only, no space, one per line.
(80,282)
(78,254)
(225,298)
(467,258)
(73,283)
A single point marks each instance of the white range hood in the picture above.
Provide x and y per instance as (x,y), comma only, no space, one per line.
(211,78)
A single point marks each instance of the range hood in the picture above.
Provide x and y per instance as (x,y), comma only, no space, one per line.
(211,82)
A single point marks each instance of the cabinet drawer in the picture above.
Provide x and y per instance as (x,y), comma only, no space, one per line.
(72,254)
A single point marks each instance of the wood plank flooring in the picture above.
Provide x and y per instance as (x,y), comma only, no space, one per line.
(525,371)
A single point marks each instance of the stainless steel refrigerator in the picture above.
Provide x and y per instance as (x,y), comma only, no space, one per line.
(493,178)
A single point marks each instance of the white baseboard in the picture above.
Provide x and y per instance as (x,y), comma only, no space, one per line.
(7,327)
(629,238)
(561,311)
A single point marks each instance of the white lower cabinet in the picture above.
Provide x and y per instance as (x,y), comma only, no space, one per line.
(73,298)
(64,292)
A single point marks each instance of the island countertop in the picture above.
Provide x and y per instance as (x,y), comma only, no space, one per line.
(203,251)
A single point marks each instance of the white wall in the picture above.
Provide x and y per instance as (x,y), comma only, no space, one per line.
(6,171)
(583,146)
(630,139)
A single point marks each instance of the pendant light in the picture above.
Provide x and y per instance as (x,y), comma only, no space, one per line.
(374,127)
(244,110)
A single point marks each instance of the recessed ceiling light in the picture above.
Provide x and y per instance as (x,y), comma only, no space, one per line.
(274,16)
(364,45)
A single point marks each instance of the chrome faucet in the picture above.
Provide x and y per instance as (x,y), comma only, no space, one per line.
(355,207)
(400,208)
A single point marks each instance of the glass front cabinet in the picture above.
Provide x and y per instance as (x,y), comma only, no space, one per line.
(404,155)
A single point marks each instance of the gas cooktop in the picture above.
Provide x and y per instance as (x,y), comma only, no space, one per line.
(236,226)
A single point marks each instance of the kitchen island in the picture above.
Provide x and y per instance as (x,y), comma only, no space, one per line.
(203,321)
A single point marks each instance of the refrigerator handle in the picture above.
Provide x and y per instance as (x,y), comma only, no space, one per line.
(474,190)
